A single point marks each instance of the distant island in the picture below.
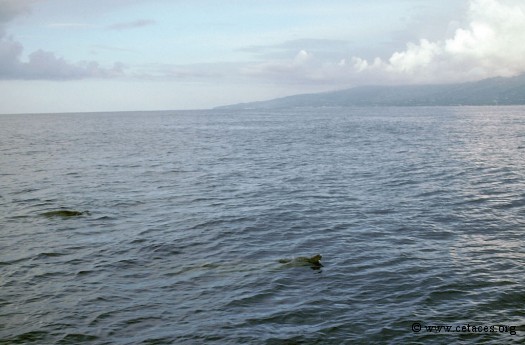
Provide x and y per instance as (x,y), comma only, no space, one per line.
(492,91)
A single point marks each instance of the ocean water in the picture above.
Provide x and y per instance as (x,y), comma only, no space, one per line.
(419,214)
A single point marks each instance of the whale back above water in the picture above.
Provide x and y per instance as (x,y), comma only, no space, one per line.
(314,261)
(64,213)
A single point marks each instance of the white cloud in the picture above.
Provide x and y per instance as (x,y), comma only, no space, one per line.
(415,57)
(489,44)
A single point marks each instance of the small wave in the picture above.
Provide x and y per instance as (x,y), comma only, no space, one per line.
(49,255)
(84,272)
(15,261)
(77,338)
(161,250)
(35,337)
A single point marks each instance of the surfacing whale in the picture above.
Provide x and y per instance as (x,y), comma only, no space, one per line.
(64,213)
(314,261)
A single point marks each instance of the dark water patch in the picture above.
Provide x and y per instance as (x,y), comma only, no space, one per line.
(96,218)
(86,272)
(513,203)
(49,255)
(160,341)
(15,261)
(447,293)
(101,318)
(33,337)
(76,338)
(74,174)
(510,299)
(3,302)
(47,276)
(160,250)
(297,340)
(144,321)
(26,191)
(126,263)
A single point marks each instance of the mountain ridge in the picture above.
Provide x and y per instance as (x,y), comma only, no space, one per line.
(491,91)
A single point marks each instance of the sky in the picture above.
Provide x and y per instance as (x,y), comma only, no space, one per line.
(127,55)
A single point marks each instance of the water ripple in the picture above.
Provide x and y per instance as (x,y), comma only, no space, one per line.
(418,213)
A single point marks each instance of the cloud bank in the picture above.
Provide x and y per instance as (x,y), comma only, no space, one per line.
(44,65)
(488,45)
(41,64)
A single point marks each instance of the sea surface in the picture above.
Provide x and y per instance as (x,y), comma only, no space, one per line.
(419,214)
